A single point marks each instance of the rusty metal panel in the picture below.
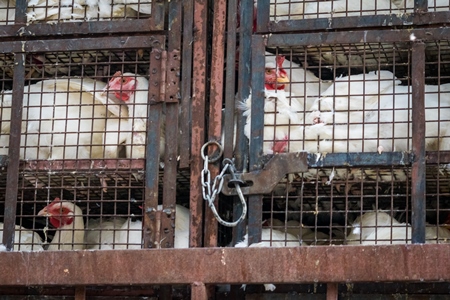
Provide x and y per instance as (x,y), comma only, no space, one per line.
(186,83)
(66,29)
(356,37)
(168,222)
(215,109)
(198,108)
(406,263)
(152,216)
(125,42)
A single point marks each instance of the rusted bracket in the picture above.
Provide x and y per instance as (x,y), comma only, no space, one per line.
(173,76)
(264,181)
(169,88)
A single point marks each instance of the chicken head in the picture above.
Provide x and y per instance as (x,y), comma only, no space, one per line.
(276,77)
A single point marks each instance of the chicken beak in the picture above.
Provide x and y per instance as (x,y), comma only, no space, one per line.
(43,212)
(282,79)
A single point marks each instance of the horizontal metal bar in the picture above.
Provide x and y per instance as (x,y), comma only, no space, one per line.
(360,22)
(110,42)
(329,160)
(277,166)
(407,263)
(70,28)
(363,36)
(82,164)
(354,159)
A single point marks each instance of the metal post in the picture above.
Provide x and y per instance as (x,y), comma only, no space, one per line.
(12,180)
(198,120)
(418,169)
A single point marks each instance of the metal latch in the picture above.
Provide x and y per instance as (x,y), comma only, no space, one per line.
(264,181)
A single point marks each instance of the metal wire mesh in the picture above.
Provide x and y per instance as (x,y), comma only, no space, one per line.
(50,11)
(298,10)
(353,98)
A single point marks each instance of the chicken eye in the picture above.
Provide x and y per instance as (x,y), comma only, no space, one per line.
(268,71)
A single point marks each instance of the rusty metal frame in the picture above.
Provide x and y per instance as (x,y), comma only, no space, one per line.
(405,263)
(198,108)
(419,18)
(19,48)
(155,24)
(215,108)
(356,36)
(186,84)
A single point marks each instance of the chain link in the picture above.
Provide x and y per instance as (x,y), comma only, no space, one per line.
(210,191)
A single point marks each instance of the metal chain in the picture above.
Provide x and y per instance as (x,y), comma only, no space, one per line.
(210,191)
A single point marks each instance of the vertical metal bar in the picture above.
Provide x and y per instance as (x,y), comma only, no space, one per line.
(243,92)
(262,16)
(244,84)
(80,293)
(257,136)
(21,11)
(152,148)
(186,84)
(198,120)
(158,14)
(12,173)
(215,107)
(418,169)
(230,83)
(332,291)
(198,291)
(171,128)
(420,6)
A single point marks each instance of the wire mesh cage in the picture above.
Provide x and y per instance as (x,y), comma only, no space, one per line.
(336,101)
(358,108)
(327,211)
(297,10)
(90,206)
(77,103)
(75,11)
(84,143)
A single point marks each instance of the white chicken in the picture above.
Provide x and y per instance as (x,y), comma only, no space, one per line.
(291,10)
(303,84)
(271,238)
(24,239)
(67,218)
(61,119)
(79,10)
(372,112)
(367,224)
(279,110)
(130,233)
(103,233)
(381,229)
(132,90)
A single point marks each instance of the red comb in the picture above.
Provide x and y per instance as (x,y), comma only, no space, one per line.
(280,60)
(118,73)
